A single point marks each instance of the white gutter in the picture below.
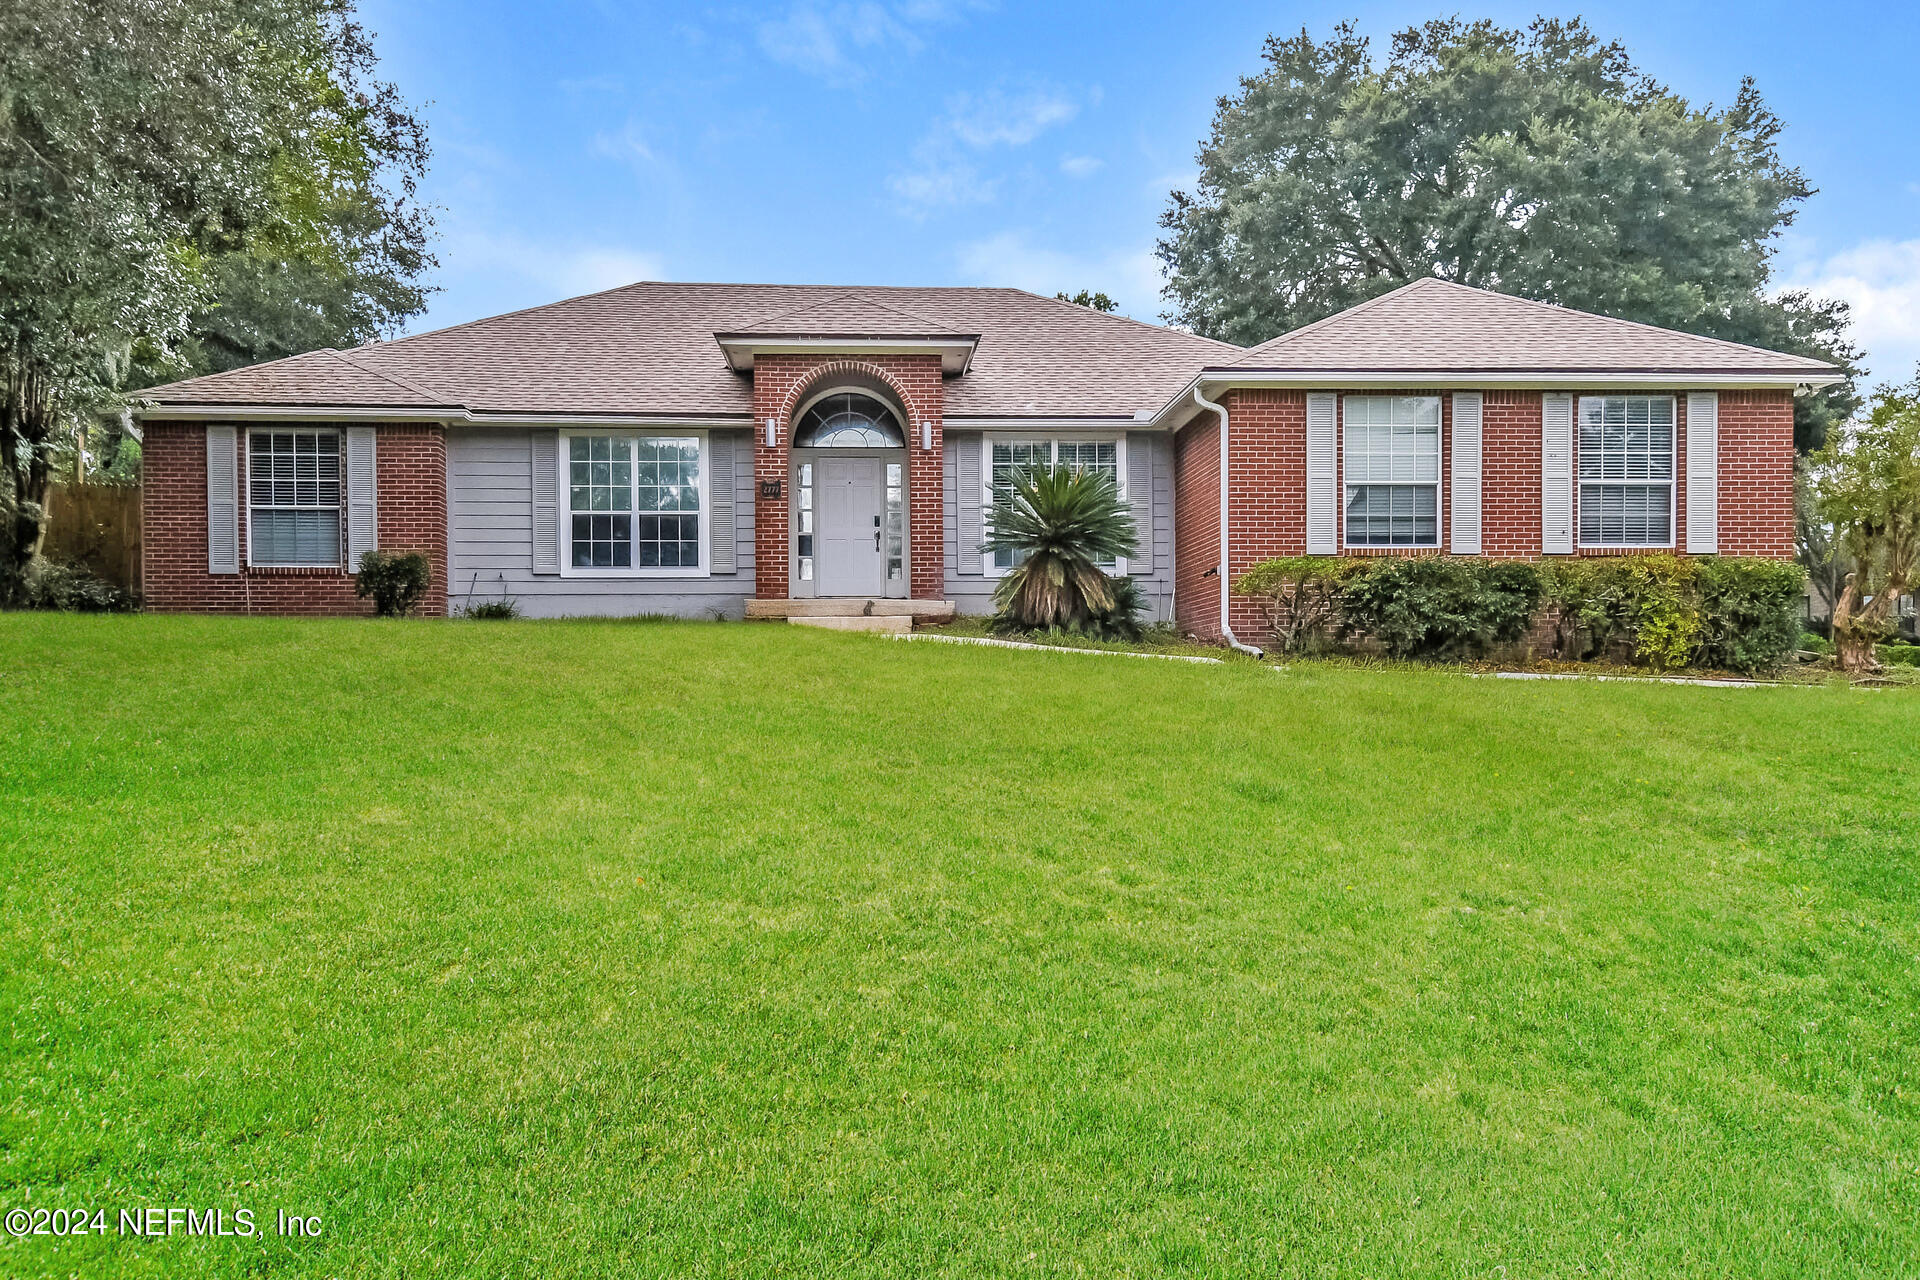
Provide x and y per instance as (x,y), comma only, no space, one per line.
(1415,379)
(1226,578)
(270,413)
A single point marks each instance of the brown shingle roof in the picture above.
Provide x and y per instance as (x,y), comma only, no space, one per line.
(315,378)
(842,315)
(1439,327)
(649,349)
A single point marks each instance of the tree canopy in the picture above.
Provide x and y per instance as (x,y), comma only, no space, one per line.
(184,185)
(1537,162)
(1866,482)
(1090,299)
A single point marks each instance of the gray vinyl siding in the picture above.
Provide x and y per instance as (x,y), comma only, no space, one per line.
(973,594)
(490,541)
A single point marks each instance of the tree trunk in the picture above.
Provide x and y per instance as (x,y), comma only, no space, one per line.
(27,425)
(1856,621)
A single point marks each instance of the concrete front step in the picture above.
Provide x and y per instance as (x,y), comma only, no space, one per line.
(894,623)
(853,607)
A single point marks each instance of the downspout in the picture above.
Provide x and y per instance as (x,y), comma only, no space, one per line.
(1226,579)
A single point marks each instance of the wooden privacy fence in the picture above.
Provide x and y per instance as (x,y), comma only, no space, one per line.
(97,525)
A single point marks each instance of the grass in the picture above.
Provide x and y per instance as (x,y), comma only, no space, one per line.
(598,949)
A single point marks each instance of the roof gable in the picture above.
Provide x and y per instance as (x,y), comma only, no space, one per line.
(1436,326)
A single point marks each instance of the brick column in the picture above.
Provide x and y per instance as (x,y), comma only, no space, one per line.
(780,384)
(774,378)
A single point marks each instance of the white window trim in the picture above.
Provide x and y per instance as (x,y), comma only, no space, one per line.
(1053,438)
(565,496)
(1438,483)
(246,491)
(1672,482)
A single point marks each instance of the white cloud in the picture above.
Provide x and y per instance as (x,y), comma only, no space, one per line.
(1081,166)
(1130,277)
(1880,279)
(942,180)
(629,145)
(831,41)
(997,118)
(558,270)
(945,169)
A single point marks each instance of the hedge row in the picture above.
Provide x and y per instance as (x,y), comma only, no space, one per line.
(1663,611)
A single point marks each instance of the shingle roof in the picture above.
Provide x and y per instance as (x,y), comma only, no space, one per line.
(851,312)
(315,378)
(1439,327)
(649,348)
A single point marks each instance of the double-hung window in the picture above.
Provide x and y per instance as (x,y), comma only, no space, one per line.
(293,498)
(635,504)
(1009,457)
(1626,471)
(1392,458)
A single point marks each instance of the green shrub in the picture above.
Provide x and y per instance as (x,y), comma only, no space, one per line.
(1437,607)
(492,609)
(1645,608)
(74,588)
(1814,642)
(1751,610)
(1303,595)
(395,579)
(1899,655)
(1122,620)
(1662,610)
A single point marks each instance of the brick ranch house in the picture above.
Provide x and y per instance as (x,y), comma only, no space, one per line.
(720,450)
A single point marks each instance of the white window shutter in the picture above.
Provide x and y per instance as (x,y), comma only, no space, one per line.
(1703,473)
(223,500)
(1140,499)
(363,520)
(967,500)
(1556,475)
(1323,503)
(546,502)
(1466,473)
(720,531)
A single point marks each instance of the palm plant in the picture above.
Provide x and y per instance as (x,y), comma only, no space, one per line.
(1060,523)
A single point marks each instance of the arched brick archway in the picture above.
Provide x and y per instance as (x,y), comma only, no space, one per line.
(781,384)
(836,372)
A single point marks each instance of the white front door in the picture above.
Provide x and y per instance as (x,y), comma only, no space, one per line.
(849,497)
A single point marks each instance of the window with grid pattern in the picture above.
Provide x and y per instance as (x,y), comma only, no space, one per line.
(1010,457)
(1626,471)
(293,497)
(1391,453)
(633,502)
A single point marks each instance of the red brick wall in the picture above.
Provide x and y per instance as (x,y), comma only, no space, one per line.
(411,465)
(780,384)
(1268,492)
(1756,474)
(1509,474)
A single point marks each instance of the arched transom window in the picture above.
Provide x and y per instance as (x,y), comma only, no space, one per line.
(848,420)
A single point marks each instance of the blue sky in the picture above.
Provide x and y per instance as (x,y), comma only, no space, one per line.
(580,145)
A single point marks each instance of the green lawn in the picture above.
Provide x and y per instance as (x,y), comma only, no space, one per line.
(589,949)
